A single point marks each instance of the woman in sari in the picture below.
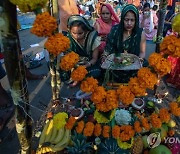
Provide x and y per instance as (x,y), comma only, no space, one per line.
(85,42)
(103,25)
(126,37)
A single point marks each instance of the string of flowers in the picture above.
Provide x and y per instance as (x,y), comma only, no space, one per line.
(43,27)
(79,73)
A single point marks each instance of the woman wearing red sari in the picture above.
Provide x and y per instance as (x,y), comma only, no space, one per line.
(103,25)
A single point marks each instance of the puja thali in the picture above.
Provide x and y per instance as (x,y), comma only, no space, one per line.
(124,62)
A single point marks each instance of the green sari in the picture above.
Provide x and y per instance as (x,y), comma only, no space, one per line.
(115,44)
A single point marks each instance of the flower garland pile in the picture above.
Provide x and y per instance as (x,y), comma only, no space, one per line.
(29,5)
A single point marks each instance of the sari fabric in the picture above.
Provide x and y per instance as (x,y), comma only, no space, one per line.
(104,28)
(115,43)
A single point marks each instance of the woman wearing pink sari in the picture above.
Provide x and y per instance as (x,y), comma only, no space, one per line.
(103,25)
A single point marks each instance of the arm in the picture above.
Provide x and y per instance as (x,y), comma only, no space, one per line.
(97,27)
(94,59)
(142,46)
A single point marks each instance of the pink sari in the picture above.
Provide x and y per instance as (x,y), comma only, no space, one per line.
(103,28)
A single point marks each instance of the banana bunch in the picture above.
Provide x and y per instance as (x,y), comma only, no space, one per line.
(56,139)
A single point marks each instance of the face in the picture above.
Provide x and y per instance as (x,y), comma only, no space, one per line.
(146,11)
(77,32)
(129,21)
(105,14)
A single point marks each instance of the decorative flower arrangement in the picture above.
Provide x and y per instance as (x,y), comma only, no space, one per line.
(69,61)
(79,73)
(97,130)
(125,95)
(175,108)
(115,131)
(126,132)
(89,128)
(98,95)
(70,123)
(122,117)
(106,131)
(170,46)
(80,126)
(89,85)
(57,44)
(44,25)
(29,5)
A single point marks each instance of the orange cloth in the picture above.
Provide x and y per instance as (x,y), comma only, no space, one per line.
(66,9)
(170,2)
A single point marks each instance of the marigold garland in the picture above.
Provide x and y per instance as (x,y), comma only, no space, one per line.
(155,121)
(89,85)
(137,127)
(164,115)
(29,5)
(174,108)
(98,95)
(70,123)
(68,61)
(116,131)
(80,126)
(126,133)
(79,73)
(43,27)
(106,131)
(145,124)
(135,87)
(154,58)
(125,95)
(89,128)
(147,78)
(97,130)
(57,44)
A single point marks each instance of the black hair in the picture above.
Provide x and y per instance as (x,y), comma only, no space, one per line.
(79,24)
(115,2)
(146,5)
(155,8)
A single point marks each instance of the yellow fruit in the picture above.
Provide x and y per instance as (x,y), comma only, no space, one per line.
(49,131)
(59,136)
(171,123)
(54,134)
(42,138)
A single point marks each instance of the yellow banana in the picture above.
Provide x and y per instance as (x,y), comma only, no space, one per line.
(59,136)
(49,131)
(44,150)
(56,149)
(54,134)
(48,149)
(65,139)
(38,151)
(42,138)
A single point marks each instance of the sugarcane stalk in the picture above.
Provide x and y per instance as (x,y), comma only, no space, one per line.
(162,14)
(16,74)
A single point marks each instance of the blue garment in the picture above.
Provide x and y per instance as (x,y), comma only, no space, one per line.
(2,71)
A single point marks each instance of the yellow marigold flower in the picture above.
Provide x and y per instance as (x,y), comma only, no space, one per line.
(176,23)
(147,78)
(69,61)
(59,120)
(57,44)
(43,27)
(125,95)
(79,73)
(89,85)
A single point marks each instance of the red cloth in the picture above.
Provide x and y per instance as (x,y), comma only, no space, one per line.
(1,56)
(174,77)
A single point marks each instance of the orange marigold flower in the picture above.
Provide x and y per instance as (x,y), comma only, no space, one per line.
(126,132)
(174,108)
(106,131)
(145,123)
(89,128)
(171,132)
(97,129)
(68,61)
(70,123)
(116,131)
(43,27)
(137,127)
(125,95)
(89,85)
(147,78)
(57,44)
(154,58)
(79,73)
(155,121)
(80,127)
(136,88)
(98,95)
(164,115)
(111,100)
